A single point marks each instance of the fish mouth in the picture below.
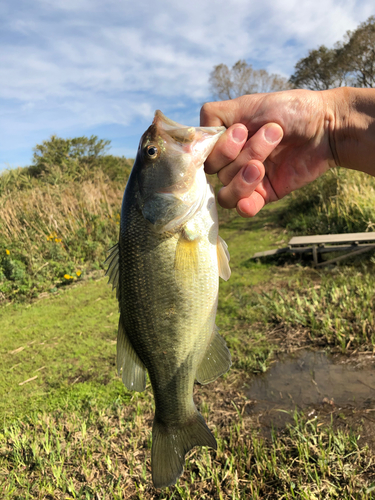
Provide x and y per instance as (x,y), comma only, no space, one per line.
(198,141)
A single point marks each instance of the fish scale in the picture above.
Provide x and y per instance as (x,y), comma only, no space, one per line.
(169,258)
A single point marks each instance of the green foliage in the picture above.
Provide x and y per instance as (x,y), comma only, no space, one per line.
(60,161)
(341,201)
(322,69)
(359,53)
(65,153)
(351,62)
(59,219)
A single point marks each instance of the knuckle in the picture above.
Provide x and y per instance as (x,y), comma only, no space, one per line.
(229,150)
(206,112)
(238,190)
(253,152)
(230,195)
(227,174)
(225,199)
(227,154)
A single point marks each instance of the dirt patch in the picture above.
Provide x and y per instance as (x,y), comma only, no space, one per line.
(336,388)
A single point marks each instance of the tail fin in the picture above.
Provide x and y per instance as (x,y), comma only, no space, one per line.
(169,447)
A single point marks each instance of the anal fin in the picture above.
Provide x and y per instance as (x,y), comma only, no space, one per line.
(129,367)
(216,360)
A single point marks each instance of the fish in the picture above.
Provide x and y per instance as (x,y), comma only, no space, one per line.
(165,269)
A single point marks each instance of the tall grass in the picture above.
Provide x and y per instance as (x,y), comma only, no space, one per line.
(57,226)
(342,201)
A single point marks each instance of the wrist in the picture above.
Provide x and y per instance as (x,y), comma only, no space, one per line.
(351,127)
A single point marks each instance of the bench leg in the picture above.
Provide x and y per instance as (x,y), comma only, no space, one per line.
(315,255)
(345,256)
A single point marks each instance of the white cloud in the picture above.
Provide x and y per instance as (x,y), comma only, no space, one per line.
(77,64)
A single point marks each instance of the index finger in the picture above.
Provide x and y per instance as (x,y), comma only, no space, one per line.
(227,148)
(216,114)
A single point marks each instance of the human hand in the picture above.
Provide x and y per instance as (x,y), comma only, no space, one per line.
(275,143)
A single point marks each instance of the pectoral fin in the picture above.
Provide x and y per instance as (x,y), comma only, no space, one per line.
(223,258)
(129,367)
(186,259)
(216,360)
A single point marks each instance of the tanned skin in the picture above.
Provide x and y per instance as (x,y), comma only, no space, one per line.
(281,141)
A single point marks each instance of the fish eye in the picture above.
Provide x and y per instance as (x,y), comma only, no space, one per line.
(152,151)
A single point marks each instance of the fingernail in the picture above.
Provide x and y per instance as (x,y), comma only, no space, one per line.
(241,212)
(239,134)
(250,173)
(273,133)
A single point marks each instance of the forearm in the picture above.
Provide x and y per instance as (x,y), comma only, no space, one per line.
(351,123)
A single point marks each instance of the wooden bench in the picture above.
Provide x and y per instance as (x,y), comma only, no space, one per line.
(351,243)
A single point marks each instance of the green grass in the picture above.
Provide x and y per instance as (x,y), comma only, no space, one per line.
(70,429)
(336,307)
(76,432)
(341,201)
(105,453)
(63,340)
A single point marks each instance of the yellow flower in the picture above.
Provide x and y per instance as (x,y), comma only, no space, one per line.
(78,273)
(68,277)
(7,251)
(58,240)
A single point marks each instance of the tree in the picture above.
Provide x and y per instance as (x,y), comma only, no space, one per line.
(351,62)
(242,79)
(322,69)
(57,152)
(359,52)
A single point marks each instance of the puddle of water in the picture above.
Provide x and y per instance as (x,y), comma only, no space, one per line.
(308,380)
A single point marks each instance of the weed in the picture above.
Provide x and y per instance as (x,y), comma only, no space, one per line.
(338,308)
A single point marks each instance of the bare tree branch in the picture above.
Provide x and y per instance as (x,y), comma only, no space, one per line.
(242,79)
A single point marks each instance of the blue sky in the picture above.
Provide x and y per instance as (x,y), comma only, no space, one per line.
(102,67)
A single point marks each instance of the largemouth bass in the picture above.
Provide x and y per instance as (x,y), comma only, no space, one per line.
(165,269)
